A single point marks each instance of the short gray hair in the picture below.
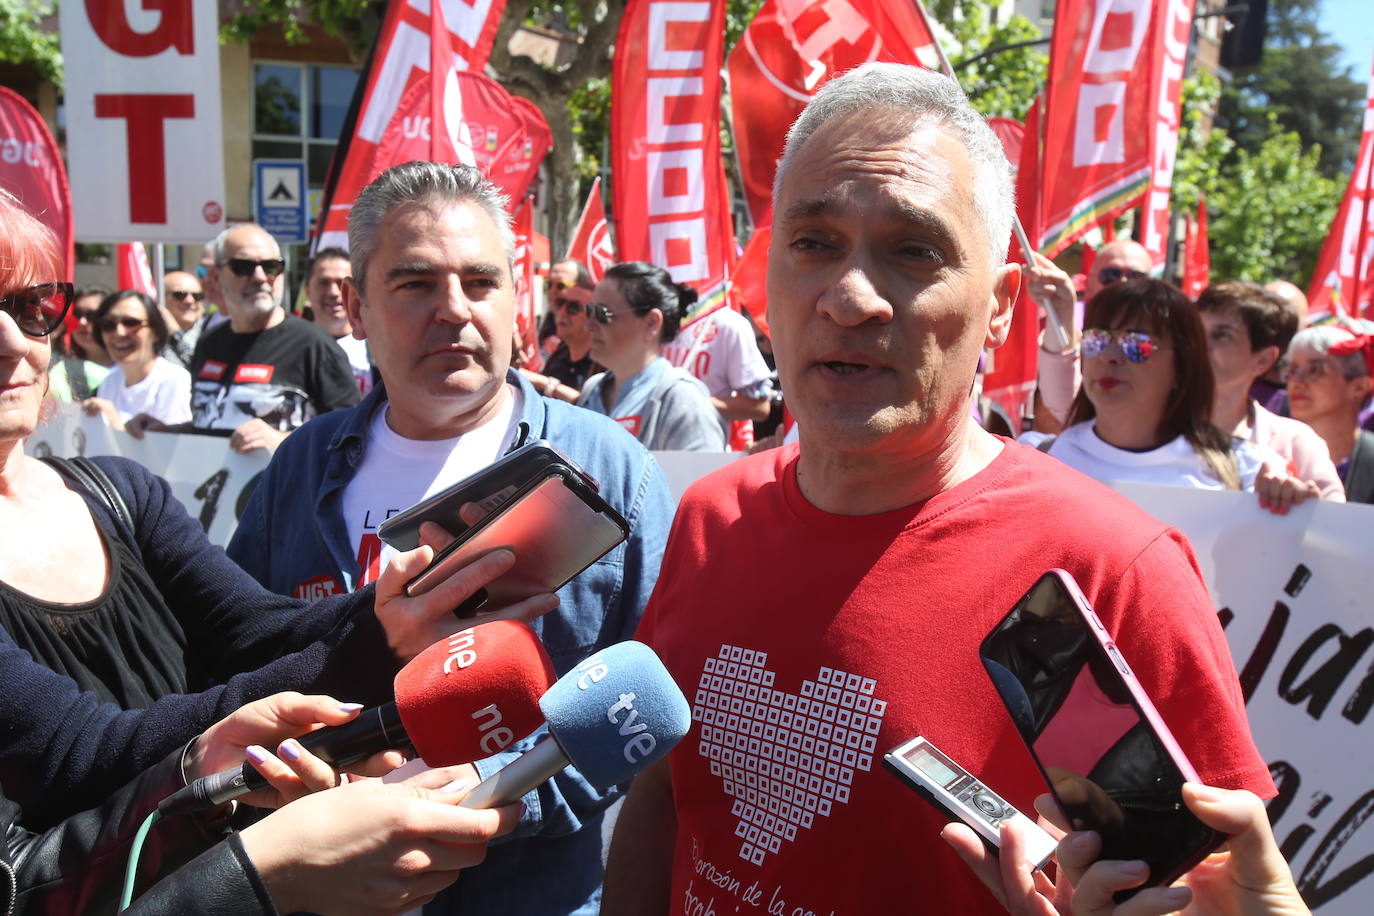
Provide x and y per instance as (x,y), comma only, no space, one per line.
(1319,338)
(421,183)
(216,244)
(925,97)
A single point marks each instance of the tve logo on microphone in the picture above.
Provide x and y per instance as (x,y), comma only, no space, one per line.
(641,742)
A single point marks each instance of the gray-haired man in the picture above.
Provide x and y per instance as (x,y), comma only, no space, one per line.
(908,533)
(432,294)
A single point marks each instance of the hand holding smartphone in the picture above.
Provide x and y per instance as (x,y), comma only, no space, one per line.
(1111,762)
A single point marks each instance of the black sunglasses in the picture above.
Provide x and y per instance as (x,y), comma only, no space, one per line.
(1110,275)
(39,309)
(108,325)
(244,267)
(187,294)
(569,306)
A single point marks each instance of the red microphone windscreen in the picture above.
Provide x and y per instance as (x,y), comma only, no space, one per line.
(475,693)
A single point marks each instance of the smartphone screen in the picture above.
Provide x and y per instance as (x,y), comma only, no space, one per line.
(1069,692)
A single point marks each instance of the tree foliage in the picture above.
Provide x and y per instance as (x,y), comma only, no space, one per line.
(1002,84)
(1296,87)
(24,41)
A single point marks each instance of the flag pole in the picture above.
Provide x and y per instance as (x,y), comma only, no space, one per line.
(1056,327)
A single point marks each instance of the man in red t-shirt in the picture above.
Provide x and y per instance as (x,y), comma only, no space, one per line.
(901,534)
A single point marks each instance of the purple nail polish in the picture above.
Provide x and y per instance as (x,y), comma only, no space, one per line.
(350,707)
(255,753)
(290,750)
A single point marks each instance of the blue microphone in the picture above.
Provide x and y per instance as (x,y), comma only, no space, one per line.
(611,716)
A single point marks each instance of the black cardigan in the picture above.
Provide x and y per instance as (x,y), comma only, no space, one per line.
(64,751)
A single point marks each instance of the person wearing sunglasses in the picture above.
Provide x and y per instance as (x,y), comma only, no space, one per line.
(130,326)
(1329,380)
(636,309)
(183,303)
(1144,411)
(570,365)
(79,364)
(262,373)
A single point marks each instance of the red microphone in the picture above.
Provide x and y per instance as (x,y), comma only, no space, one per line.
(464,698)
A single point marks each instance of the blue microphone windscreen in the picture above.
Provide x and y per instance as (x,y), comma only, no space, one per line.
(616,713)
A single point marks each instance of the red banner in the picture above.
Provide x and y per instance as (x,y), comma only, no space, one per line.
(31,169)
(591,243)
(790,49)
(1097,116)
(525,322)
(1343,283)
(1169,43)
(1009,377)
(1197,256)
(402,59)
(132,271)
(671,202)
(750,292)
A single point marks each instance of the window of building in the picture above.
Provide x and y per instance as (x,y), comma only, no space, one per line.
(298,113)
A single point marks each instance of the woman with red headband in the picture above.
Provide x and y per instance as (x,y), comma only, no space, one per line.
(1329,379)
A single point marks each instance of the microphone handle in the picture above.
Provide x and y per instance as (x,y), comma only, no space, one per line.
(523,774)
(345,745)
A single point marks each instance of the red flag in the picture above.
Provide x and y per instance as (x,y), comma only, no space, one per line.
(1343,283)
(1197,259)
(1169,51)
(790,49)
(591,243)
(132,270)
(1009,376)
(525,321)
(672,203)
(1097,116)
(31,169)
(401,59)
(750,290)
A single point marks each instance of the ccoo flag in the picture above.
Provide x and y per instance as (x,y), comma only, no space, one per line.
(671,201)
(401,59)
(1097,123)
(1342,283)
(790,49)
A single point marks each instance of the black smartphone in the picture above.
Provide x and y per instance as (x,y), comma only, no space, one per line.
(556,524)
(489,488)
(1108,756)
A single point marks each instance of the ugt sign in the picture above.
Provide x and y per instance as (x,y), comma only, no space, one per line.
(145,156)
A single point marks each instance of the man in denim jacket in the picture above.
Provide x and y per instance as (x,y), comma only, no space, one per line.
(432,293)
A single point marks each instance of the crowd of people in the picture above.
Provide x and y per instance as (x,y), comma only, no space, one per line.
(138,656)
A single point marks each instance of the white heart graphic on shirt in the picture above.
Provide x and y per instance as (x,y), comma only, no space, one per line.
(782,757)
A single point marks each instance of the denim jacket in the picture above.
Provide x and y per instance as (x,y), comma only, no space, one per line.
(292,538)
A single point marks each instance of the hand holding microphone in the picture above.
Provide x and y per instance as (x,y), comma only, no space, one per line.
(464,698)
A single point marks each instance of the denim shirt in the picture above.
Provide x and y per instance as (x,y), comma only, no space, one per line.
(292,538)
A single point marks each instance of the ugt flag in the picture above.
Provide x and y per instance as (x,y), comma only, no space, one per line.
(401,59)
(790,49)
(1342,283)
(591,242)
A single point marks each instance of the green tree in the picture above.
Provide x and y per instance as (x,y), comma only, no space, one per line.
(1002,84)
(24,41)
(1296,87)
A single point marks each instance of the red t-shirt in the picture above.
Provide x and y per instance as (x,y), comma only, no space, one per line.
(810,644)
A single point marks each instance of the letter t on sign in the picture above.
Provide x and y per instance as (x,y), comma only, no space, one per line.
(143,115)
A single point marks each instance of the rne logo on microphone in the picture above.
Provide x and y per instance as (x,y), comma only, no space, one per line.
(460,650)
(641,743)
(496,737)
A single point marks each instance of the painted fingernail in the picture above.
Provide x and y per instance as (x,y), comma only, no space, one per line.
(255,753)
(350,707)
(457,785)
(290,749)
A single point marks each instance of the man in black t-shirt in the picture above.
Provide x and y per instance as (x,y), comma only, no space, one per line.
(263,372)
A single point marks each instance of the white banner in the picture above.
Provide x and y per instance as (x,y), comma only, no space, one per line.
(212,481)
(1295,595)
(144,151)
